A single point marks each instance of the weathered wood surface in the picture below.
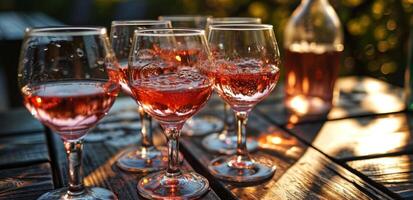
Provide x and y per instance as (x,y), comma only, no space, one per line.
(25,172)
(25,183)
(358,96)
(22,141)
(100,154)
(394,172)
(355,138)
(22,149)
(302,172)
(18,121)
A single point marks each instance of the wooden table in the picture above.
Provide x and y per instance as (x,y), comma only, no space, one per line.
(362,149)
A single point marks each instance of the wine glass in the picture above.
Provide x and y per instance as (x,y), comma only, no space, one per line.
(187,21)
(168,78)
(231,20)
(204,124)
(64,79)
(146,157)
(225,141)
(246,70)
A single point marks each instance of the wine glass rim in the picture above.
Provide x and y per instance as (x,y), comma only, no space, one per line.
(167,32)
(139,22)
(66,31)
(233,22)
(235,19)
(183,17)
(235,27)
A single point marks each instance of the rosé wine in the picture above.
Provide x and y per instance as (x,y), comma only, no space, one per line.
(310,79)
(170,94)
(70,107)
(245,82)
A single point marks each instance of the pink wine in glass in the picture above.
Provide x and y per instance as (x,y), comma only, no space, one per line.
(310,78)
(123,76)
(70,107)
(120,75)
(171,96)
(244,83)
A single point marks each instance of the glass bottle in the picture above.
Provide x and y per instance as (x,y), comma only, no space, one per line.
(313,42)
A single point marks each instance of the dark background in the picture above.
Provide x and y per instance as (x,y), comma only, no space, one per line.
(376,31)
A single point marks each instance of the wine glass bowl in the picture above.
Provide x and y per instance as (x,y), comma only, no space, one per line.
(146,157)
(65,82)
(244,82)
(246,70)
(69,107)
(168,77)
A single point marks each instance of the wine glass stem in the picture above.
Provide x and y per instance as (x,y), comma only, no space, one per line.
(242,152)
(74,158)
(146,130)
(172,134)
(228,120)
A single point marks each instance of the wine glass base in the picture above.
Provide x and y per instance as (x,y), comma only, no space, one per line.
(158,185)
(226,144)
(134,159)
(202,125)
(261,169)
(91,193)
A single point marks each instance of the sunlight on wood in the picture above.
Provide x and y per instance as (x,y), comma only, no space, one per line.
(382,102)
(275,140)
(359,137)
(372,95)
(394,172)
(291,185)
(366,84)
(102,173)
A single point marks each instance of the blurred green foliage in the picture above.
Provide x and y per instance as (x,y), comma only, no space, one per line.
(376,31)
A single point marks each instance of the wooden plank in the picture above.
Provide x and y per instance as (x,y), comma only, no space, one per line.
(25,182)
(22,139)
(23,149)
(17,121)
(302,172)
(359,96)
(100,156)
(394,172)
(354,138)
